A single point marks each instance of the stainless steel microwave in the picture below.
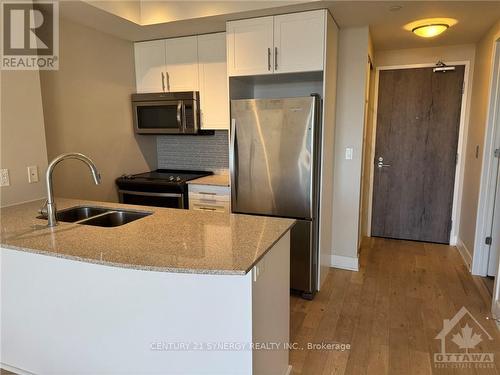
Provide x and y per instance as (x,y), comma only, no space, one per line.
(166,112)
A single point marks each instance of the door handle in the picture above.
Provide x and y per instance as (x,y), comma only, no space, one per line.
(269,59)
(233,162)
(380,163)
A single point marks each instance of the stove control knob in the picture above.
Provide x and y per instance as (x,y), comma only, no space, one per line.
(177,178)
(171,178)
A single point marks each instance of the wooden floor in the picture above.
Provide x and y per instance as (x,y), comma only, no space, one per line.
(390,312)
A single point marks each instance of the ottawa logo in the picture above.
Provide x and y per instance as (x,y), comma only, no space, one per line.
(463,333)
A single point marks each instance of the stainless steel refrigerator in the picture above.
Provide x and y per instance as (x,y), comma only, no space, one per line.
(275,171)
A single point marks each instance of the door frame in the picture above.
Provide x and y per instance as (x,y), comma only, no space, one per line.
(487,192)
(461,147)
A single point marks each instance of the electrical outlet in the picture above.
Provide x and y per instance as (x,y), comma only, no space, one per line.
(4,177)
(32,174)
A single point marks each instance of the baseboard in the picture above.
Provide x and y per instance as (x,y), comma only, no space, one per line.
(345,263)
(453,241)
(465,253)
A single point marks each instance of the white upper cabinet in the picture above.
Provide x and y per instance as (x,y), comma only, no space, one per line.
(299,42)
(213,81)
(167,65)
(150,66)
(250,46)
(281,44)
(182,64)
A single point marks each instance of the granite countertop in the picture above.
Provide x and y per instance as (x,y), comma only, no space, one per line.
(215,179)
(169,240)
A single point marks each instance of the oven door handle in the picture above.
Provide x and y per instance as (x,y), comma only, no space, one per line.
(151,194)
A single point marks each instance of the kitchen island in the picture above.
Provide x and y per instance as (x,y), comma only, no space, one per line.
(175,292)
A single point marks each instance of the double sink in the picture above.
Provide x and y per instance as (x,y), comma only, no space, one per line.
(98,216)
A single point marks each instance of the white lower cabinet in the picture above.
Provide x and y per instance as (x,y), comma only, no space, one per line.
(209,198)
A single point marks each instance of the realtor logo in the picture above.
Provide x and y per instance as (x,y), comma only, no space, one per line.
(30,35)
(463,333)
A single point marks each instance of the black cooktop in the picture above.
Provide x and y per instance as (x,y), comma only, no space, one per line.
(163,176)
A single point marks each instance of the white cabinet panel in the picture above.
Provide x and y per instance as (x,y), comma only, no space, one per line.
(213,81)
(182,64)
(299,41)
(250,45)
(150,66)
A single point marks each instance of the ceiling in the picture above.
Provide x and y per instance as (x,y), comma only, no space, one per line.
(475,18)
(131,19)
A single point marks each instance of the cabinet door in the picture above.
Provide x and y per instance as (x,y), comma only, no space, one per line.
(213,81)
(299,42)
(249,46)
(182,64)
(150,66)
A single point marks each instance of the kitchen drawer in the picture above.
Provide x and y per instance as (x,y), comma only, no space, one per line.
(209,192)
(198,205)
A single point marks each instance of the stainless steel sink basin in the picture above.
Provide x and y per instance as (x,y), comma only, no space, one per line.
(74,214)
(98,216)
(115,218)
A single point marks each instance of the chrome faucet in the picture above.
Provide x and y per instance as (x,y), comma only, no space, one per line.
(50,205)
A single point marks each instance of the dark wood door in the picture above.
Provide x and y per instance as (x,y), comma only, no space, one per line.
(418,121)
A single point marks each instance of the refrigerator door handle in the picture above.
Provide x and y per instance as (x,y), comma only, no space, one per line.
(233,164)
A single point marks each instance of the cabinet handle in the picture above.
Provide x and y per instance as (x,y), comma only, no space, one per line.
(163,81)
(269,59)
(207,208)
(275,58)
(168,82)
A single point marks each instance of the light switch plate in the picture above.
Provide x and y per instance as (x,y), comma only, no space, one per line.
(33,174)
(4,177)
(349,153)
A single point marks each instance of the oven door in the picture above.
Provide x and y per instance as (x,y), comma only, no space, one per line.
(159,117)
(155,199)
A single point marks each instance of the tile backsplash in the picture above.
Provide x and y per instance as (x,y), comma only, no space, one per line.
(206,153)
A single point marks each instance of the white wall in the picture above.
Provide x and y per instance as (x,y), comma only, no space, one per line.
(424,55)
(350,121)
(22,135)
(478,122)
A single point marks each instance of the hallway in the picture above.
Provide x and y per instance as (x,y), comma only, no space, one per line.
(390,313)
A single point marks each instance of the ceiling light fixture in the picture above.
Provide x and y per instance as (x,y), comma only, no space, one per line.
(430,27)
(431,30)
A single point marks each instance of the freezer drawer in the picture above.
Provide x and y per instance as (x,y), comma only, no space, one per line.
(303,262)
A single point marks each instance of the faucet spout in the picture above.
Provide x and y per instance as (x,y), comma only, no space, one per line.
(51,205)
